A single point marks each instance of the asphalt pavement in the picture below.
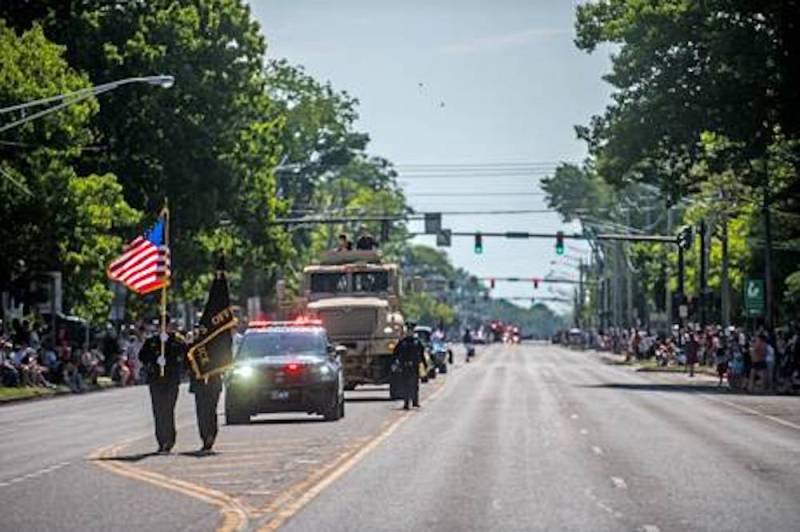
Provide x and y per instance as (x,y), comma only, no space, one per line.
(528,437)
(543,438)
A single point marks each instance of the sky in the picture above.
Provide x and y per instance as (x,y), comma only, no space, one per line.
(498,85)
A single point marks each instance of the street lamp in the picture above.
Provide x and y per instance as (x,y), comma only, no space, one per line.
(64,100)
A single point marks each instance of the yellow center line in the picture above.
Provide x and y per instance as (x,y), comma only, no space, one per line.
(309,488)
(235,514)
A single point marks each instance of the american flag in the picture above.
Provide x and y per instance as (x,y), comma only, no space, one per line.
(144,266)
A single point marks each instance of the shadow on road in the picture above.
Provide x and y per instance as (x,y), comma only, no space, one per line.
(369,399)
(287,421)
(124,458)
(679,388)
(199,454)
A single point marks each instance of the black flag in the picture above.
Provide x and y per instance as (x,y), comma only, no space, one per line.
(212,353)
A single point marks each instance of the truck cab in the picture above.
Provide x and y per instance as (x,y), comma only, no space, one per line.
(356,296)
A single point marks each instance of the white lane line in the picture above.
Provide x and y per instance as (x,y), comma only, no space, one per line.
(597,450)
(649,528)
(584,431)
(574,416)
(34,474)
(605,507)
(754,412)
(619,483)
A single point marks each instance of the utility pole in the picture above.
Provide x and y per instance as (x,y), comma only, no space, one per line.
(703,273)
(725,296)
(580,289)
(667,291)
(628,290)
(769,315)
(681,292)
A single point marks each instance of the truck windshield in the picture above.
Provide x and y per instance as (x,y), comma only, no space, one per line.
(371,282)
(328,282)
(282,343)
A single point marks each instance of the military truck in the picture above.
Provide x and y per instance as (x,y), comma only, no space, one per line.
(357,297)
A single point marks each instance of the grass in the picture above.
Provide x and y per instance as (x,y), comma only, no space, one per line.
(12,394)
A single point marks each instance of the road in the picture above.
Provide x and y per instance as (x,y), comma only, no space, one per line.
(530,437)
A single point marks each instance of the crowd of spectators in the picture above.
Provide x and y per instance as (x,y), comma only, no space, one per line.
(31,355)
(752,361)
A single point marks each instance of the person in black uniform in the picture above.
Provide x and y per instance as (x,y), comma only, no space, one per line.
(410,353)
(164,385)
(206,398)
(365,240)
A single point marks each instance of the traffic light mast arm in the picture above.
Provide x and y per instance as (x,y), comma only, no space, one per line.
(640,238)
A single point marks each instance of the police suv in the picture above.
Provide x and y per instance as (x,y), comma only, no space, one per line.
(285,367)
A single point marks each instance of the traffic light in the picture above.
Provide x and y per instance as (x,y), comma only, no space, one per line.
(478,243)
(685,237)
(535,284)
(560,243)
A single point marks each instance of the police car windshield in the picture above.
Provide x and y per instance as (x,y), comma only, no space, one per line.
(282,343)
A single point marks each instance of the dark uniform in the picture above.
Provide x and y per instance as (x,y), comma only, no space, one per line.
(410,353)
(206,398)
(366,242)
(164,388)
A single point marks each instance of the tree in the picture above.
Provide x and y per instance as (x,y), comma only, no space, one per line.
(189,143)
(729,66)
(95,210)
(52,218)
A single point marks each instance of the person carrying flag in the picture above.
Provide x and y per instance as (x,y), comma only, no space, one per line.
(144,267)
(210,356)
(163,382)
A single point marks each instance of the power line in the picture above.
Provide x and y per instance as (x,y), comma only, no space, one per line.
(483,165)
(443,213)
(503,175)
(470,194)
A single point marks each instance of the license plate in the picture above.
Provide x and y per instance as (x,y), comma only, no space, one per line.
(279,395)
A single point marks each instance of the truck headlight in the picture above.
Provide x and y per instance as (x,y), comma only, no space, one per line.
(244,372)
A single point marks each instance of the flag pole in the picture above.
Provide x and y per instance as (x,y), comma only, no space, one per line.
(164,291)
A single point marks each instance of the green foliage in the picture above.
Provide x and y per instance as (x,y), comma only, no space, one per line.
(683,68)
(424,309)
(95,210)
(576,192)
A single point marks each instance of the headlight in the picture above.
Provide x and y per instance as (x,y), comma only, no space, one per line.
(325,372)
(244,372)
(388,329)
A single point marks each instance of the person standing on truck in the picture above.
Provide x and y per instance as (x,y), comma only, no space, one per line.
(344,243)
(410,353)
(366,242)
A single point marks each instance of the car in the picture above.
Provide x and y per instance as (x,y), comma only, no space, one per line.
(440,353)
(285,367)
